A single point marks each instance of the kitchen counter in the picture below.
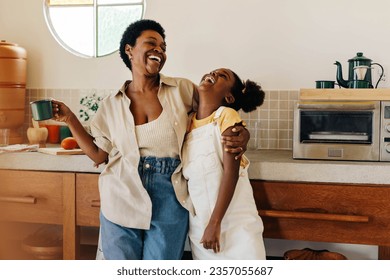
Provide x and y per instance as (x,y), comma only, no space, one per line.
(46,162)
(278,165)
(281,185)
(270,165)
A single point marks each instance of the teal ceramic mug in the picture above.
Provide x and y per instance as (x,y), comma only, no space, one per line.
(325,84)
(41,109)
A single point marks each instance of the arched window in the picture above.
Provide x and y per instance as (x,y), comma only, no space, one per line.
(91,28)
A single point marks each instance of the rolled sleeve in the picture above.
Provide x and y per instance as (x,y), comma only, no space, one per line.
(100,134)
(103,143)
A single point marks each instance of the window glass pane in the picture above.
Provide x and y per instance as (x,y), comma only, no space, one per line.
(77,33)
(112,22)
(91,28)
(336,127)
(71,2)
(114,2)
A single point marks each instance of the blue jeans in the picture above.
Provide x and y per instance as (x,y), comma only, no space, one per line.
(168,230)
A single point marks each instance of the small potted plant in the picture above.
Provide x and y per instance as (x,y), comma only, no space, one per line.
(90,104)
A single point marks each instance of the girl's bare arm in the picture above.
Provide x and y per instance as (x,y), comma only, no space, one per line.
(211,235)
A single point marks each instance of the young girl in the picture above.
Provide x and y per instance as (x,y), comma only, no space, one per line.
(226,224)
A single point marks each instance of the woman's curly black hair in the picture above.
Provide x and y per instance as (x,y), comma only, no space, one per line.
(133,31)
(248,95)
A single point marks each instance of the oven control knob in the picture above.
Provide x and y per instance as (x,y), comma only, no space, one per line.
(388,148)
(388,127)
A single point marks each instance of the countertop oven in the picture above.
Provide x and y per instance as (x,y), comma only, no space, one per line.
(342,130)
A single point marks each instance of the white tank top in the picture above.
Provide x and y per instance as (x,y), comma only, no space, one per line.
(157,138)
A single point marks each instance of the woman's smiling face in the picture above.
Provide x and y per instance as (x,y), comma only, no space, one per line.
(148,53)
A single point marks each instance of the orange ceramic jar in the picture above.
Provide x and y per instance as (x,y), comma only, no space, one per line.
(13,68)
(53,133)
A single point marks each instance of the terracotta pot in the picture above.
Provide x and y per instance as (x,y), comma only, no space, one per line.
(13,69)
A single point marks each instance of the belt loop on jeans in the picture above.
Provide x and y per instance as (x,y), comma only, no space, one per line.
(159,165)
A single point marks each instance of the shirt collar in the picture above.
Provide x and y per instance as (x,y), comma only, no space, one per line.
(163,80)
(168,81)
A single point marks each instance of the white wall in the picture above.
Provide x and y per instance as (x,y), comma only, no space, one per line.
(282,44)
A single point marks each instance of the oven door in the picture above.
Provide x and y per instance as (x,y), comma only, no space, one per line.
(337,130)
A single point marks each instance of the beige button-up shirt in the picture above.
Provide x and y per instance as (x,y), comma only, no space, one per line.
(124,200)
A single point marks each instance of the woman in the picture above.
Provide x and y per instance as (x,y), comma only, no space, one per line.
(226,224)
(138,132)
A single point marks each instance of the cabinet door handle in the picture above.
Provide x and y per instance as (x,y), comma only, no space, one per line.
(95,203)
(16,199)
(313,216)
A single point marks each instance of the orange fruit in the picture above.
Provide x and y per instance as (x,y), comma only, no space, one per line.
(69,143)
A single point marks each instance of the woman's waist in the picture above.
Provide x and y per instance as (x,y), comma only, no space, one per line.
(159,164)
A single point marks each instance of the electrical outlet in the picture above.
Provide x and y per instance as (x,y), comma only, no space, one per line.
(383,79)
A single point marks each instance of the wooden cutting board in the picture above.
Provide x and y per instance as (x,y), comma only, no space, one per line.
(60,151)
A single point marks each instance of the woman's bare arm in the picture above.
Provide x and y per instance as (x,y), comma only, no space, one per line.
(62,113)
(236,144)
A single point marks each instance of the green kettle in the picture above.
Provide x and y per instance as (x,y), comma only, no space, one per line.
(359,73)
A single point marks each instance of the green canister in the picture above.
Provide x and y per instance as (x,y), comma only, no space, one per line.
(64,132)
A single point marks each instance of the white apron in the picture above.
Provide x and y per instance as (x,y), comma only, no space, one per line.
(241,227)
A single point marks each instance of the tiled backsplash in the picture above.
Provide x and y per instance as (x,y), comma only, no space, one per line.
(71,97)
(271,125)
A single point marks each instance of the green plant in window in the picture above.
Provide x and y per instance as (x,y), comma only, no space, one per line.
(90,105)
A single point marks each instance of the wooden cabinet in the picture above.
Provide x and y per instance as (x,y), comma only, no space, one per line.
(342,213)
(87,213)
(87,200)
(31,196)
(37,197)
(70,200)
